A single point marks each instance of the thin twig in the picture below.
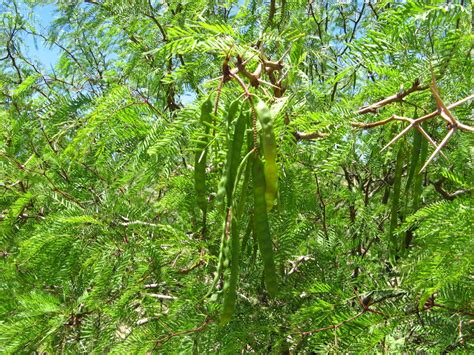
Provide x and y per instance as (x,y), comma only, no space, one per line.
(167,337)
(334,326)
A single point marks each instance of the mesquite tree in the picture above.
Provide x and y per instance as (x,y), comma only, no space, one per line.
(223,176)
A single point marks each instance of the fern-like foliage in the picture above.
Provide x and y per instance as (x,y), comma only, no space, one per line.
(104,244)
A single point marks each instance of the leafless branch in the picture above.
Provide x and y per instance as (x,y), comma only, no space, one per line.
(394,98)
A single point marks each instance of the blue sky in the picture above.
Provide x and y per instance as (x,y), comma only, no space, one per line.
(44,16)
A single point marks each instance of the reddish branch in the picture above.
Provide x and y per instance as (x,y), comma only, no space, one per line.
(252,77)
(167,337)
(255,79)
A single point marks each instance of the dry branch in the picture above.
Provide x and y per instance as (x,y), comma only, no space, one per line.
(394,98)
(443,111)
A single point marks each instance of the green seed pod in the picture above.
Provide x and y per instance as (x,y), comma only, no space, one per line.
(269,153)
(415,155)
(394,245)
(262,229)
(231,279)
(235,156)
(233,110)
(418,183)
(221,189)
(226,179)
(220,263)
(201,157)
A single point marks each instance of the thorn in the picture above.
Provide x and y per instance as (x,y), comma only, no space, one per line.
(397,137)
(284,54)
(448,117)
(441,145)
(444,112)
(267,83)
(427,136)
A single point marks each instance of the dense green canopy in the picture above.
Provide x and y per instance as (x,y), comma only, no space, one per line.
(237,176)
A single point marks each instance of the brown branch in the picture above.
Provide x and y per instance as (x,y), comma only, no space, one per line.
(438,185)
(185,271)
(356,22)
(155,20)
(56,43)
(372,124)
(417,121)
(272,65)
(437,150)
(252,78)
(443,111)
(241,83)
(394,98)
(308,136)
(271,13)
(449,107)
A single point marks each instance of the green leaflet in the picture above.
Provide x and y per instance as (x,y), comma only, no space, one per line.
(261,227)
(269,153)
(201,157)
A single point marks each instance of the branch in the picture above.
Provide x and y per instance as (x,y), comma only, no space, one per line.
(271,13)
(372,124)
(165,338)
(394,98)
(185,271)
(308,136)
(252,78)
(438,149)
(438,185)
(444,112)
(356,22)
(157,23)
(160,296)
(334,326)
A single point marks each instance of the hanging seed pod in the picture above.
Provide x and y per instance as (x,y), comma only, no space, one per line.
(232,275)
(261,227)
(418,183)
(269,153)
(414,158)
(235,156)
(234,146)
(201,157)
(394,245)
